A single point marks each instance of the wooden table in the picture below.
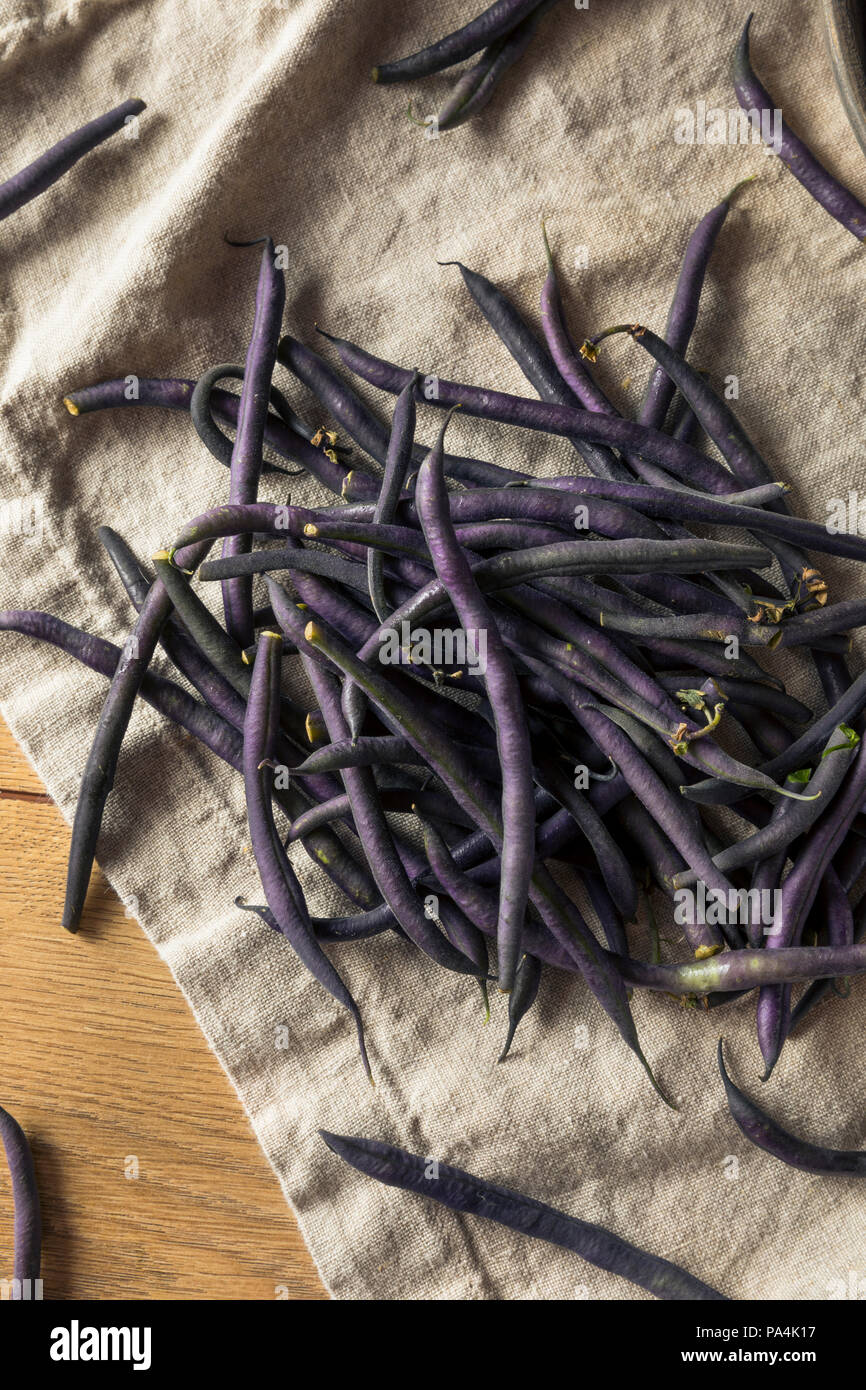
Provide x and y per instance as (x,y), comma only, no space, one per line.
(105,1068)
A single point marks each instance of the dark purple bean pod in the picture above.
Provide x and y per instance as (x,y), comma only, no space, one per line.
(818,990)
(22,187)
(558,913)
(831,913)
(712,627)
(605,910)
(178,646)
(679,459)
(804,628)
(649,844)
(808,745)
(767,873)
(383,750)
(175,393)
(798,894)
(332,930)
(462,1192)
(498,19)
(474,89)
(454,572)
(282,890)
(753,97)
(833,674)
(405,801)
(795,818)
(522,997)
(339,568)
(734,971)
(204,422)
(767,1134)
(27,1236)
(397,463)
(247,453)
(364,428)
(619,879)
(98,777)
(683,313)
(535,362)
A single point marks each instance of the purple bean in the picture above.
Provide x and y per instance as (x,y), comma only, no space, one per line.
(22,187)
(246,460)
(767,1134)
(756,101)
(175,393)
(27,1238)
(281,887)
(498,19)
(683,313)
(462,1192)
(475,88)
(512,735)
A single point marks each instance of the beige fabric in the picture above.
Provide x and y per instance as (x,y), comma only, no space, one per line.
(261,118)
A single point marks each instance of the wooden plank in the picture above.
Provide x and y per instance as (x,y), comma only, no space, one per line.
(106,1069)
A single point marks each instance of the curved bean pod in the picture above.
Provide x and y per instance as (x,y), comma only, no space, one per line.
(498,19)
(753,97)
(766,1134)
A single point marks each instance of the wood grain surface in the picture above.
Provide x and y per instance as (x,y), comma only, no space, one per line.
(106,1070)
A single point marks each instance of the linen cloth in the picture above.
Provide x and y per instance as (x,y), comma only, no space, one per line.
(261,118)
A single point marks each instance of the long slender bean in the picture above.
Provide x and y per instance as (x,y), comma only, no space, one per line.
(462,1192)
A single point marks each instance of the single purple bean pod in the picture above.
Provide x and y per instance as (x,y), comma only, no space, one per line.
(175,393)
(679,459)
(683,313)
(512,734)
(831,912)
(498,19)
(98,777)
(246,461)
(21,188)
(767,872)
(527,978)
(798,894)
(607,913)
(818,990)
(535,362)
(332,930)
(735,971)
(756,101)
(282,890)
(767,1134)
(462,1192)
(27,1237)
